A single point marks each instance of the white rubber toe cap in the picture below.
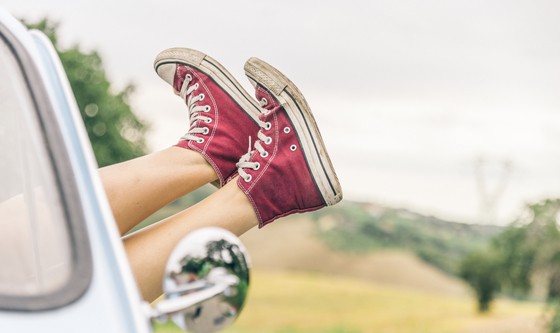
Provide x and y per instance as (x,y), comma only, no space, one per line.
(167,72)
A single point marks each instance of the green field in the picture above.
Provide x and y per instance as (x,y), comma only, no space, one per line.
(313,303)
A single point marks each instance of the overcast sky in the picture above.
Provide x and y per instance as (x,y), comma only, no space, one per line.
(409,95)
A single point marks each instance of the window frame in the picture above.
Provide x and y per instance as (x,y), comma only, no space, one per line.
(66,184)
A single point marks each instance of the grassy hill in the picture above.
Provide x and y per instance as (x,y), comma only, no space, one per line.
(362,227)
(292,245)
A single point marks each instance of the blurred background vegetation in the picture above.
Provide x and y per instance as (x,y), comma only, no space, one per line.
(115,132)
(513,272)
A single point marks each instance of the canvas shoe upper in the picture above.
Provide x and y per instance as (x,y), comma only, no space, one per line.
(289,170)
(222,115)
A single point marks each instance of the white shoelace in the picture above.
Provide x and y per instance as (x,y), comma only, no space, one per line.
(244,160)
(194,110)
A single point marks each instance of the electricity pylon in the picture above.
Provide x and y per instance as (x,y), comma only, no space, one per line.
(492,177)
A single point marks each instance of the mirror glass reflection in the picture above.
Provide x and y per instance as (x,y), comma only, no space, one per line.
(209,267)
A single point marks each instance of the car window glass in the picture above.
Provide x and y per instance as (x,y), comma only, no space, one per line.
(35,255)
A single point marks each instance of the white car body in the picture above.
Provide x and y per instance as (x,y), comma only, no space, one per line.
(99,294)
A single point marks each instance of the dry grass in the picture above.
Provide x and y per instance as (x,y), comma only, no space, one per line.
(312,303)
(306,302)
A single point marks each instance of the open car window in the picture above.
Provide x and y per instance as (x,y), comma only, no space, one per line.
(34,247)
(44,254)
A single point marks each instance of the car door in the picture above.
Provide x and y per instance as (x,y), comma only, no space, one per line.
(62,265)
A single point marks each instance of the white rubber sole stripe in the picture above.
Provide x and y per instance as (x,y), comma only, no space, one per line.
(215,71)
(289,96)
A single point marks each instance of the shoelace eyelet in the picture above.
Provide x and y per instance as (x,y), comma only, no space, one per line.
(287,130)
(257,166)
(293,147)
(264,154)
(248,179)
(206,130)
(201,96)
(264,101)
(196,86)
(268,126)
(208,120)
(200,140)
(207,108)
(188,77)
(268,141)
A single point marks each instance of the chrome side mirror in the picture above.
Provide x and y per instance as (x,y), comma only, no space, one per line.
(206,281)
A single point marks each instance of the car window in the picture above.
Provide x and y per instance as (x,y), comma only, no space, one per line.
(35,250)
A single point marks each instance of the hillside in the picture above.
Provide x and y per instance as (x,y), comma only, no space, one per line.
(292,245)
(362,227)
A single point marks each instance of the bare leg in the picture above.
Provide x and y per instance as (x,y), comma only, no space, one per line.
(149,248)
(139,187)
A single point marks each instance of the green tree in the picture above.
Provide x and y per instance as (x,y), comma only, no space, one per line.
(528,248)
(517,258)
(478,269)
(115,132)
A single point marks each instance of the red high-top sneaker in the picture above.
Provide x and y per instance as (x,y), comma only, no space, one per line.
(222,115)
(289,170)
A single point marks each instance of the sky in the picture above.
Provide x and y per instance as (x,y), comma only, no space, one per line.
(441,107)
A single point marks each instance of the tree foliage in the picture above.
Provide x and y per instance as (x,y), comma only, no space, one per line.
(115,132)
(478,269)
(528,248)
